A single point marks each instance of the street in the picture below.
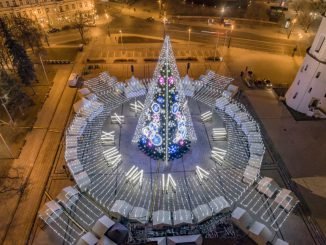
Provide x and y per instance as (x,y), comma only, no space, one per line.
(200,32)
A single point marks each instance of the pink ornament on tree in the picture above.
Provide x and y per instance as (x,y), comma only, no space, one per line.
(171,80)
(161,80)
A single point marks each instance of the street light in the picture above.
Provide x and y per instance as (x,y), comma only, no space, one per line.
(292,26)
(216,46)
(160,6)
(189,32)
(222,12)
(232,28)
(121,38)
(297,46)
(164,22)
(45,74)
(108,19)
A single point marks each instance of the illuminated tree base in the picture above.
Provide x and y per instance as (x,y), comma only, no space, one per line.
(176,151)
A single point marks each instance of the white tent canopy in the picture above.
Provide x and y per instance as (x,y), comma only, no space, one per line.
(159,240)
(83,92)
(82,180)
(102,225)
(250,174)
(105,241)
(241,218)
(202,212)
(182,216)
(219,204)
(139,214)
(250,126)
(260,233)
(77,126)
(161,218)
(192,239)
(80,104)
(88,239)
(241,117)
(71,154)
(68,196)
(231,109)
(50,211)
(71,141)
(121,208)
(75,167)
(222,102)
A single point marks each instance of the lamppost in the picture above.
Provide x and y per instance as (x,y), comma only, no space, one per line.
(216,46)
(292,26)
(297,46)
(164,23)
(222,13)
(121,38)
(189,32)
(108,19)
(232,27)
(46,76)
(160,7)
(313,16)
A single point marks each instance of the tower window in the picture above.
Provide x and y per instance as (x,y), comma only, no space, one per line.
(320,44)
(295,95)
(306,67)
(309,90)
(298,82)
(318,74)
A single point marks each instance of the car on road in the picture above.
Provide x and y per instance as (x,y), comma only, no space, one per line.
(73,79)
(150,19)
(90,24)
(227,22)
(53,30)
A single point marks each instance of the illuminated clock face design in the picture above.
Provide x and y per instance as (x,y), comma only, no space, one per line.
(213,168)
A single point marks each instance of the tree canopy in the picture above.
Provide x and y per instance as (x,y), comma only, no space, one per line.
(20,60)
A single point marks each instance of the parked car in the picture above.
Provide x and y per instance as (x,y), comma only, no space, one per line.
(150,19)
(268,83)
(90,24)
(227,22)
(81,47)
(73,79)
(53,30)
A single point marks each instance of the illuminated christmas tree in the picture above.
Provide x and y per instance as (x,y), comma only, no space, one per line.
(165,130)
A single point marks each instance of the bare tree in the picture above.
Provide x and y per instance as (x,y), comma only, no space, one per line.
(27,31)
(306,18)
(258,11)
(298,5)
(12,95)
(5,58)
(80,23)
(307,11)
(13,182)
(319,6)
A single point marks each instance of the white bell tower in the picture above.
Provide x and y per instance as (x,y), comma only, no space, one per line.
(308,90)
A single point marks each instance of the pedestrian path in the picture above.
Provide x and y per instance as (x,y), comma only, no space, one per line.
(18,212)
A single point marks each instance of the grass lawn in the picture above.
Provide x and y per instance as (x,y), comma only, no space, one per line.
(61,53)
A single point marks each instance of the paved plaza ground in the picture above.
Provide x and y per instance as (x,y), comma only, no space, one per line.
(42,156)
